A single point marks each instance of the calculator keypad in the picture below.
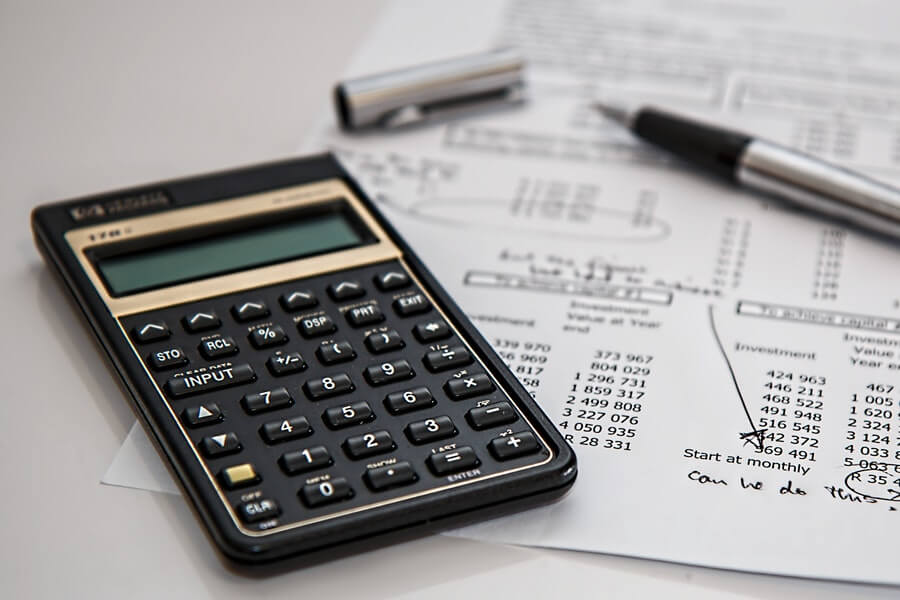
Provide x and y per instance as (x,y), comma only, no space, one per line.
(330,393)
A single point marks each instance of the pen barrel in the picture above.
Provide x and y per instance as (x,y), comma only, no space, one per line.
(820,186)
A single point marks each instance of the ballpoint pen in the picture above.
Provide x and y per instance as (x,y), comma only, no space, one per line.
(768,167)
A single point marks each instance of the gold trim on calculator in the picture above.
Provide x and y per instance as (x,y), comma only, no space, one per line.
(84,239)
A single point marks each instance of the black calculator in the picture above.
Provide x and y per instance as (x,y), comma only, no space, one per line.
(309,382)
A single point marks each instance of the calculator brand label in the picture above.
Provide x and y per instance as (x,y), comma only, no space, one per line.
(120,206)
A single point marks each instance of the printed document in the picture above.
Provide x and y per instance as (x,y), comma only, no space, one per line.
(726,368)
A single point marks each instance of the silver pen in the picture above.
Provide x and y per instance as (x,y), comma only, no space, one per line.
(768,167)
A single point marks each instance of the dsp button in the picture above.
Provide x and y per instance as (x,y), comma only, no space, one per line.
(368,314)
(431,430)
(266,400)
(453,461)
(207,380)
(317,326)
(391,280)
(369,444)
(267,336)
(151,332)
(201,321)
(325,492)
(167,359)
(468,387)
(220,445)
(448,358)
(388,372)
(346,290)
(247,311)
(515,445)
(411,305)
(258,510)
(397,474)
(218,347)
(492,415)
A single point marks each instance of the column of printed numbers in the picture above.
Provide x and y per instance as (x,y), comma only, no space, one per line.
(871,434)
(605,400)
(792,414)
(527,359)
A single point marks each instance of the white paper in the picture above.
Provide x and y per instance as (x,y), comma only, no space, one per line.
(624,290)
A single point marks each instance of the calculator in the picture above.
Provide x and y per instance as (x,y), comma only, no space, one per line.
(311,385)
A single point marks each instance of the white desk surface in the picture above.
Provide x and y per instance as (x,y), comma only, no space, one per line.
(101,95)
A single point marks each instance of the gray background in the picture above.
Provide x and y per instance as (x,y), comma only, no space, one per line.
(95,96)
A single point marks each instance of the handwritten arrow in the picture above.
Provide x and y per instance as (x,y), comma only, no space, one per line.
(754,436)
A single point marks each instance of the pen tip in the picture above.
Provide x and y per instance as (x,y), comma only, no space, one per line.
(614,112)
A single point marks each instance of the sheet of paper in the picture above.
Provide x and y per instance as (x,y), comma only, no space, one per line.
(727,369)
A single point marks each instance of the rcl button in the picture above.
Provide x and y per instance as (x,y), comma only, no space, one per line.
(258,510)
(167,359)
(218,347)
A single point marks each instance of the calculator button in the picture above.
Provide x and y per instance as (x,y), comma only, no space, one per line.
(206,380)
(492,415)
(384,341)
(286,429)
(406,401)
(298,299)
(369,444)
(356,413)
(345,290)
(267,336)
(218,347)
(469,386)
(266,400)
(239,476)
(201,321)
(326,387)
(448,358)
(514,445)
(391,280)
(167,359)
(205,414)
(325,492)
(430,331)
(151,332)
(285,363)
(308,459)
(430,430)
(220,445)
(368,314)
(382,478)
(388,372)
(411,305)
(453,461)
(311,327)
(258,510)
(247,311)
(336,352)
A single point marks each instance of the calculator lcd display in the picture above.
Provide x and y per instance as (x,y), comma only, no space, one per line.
(228,252)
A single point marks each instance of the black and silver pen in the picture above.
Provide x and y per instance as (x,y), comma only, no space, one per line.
(768,167)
